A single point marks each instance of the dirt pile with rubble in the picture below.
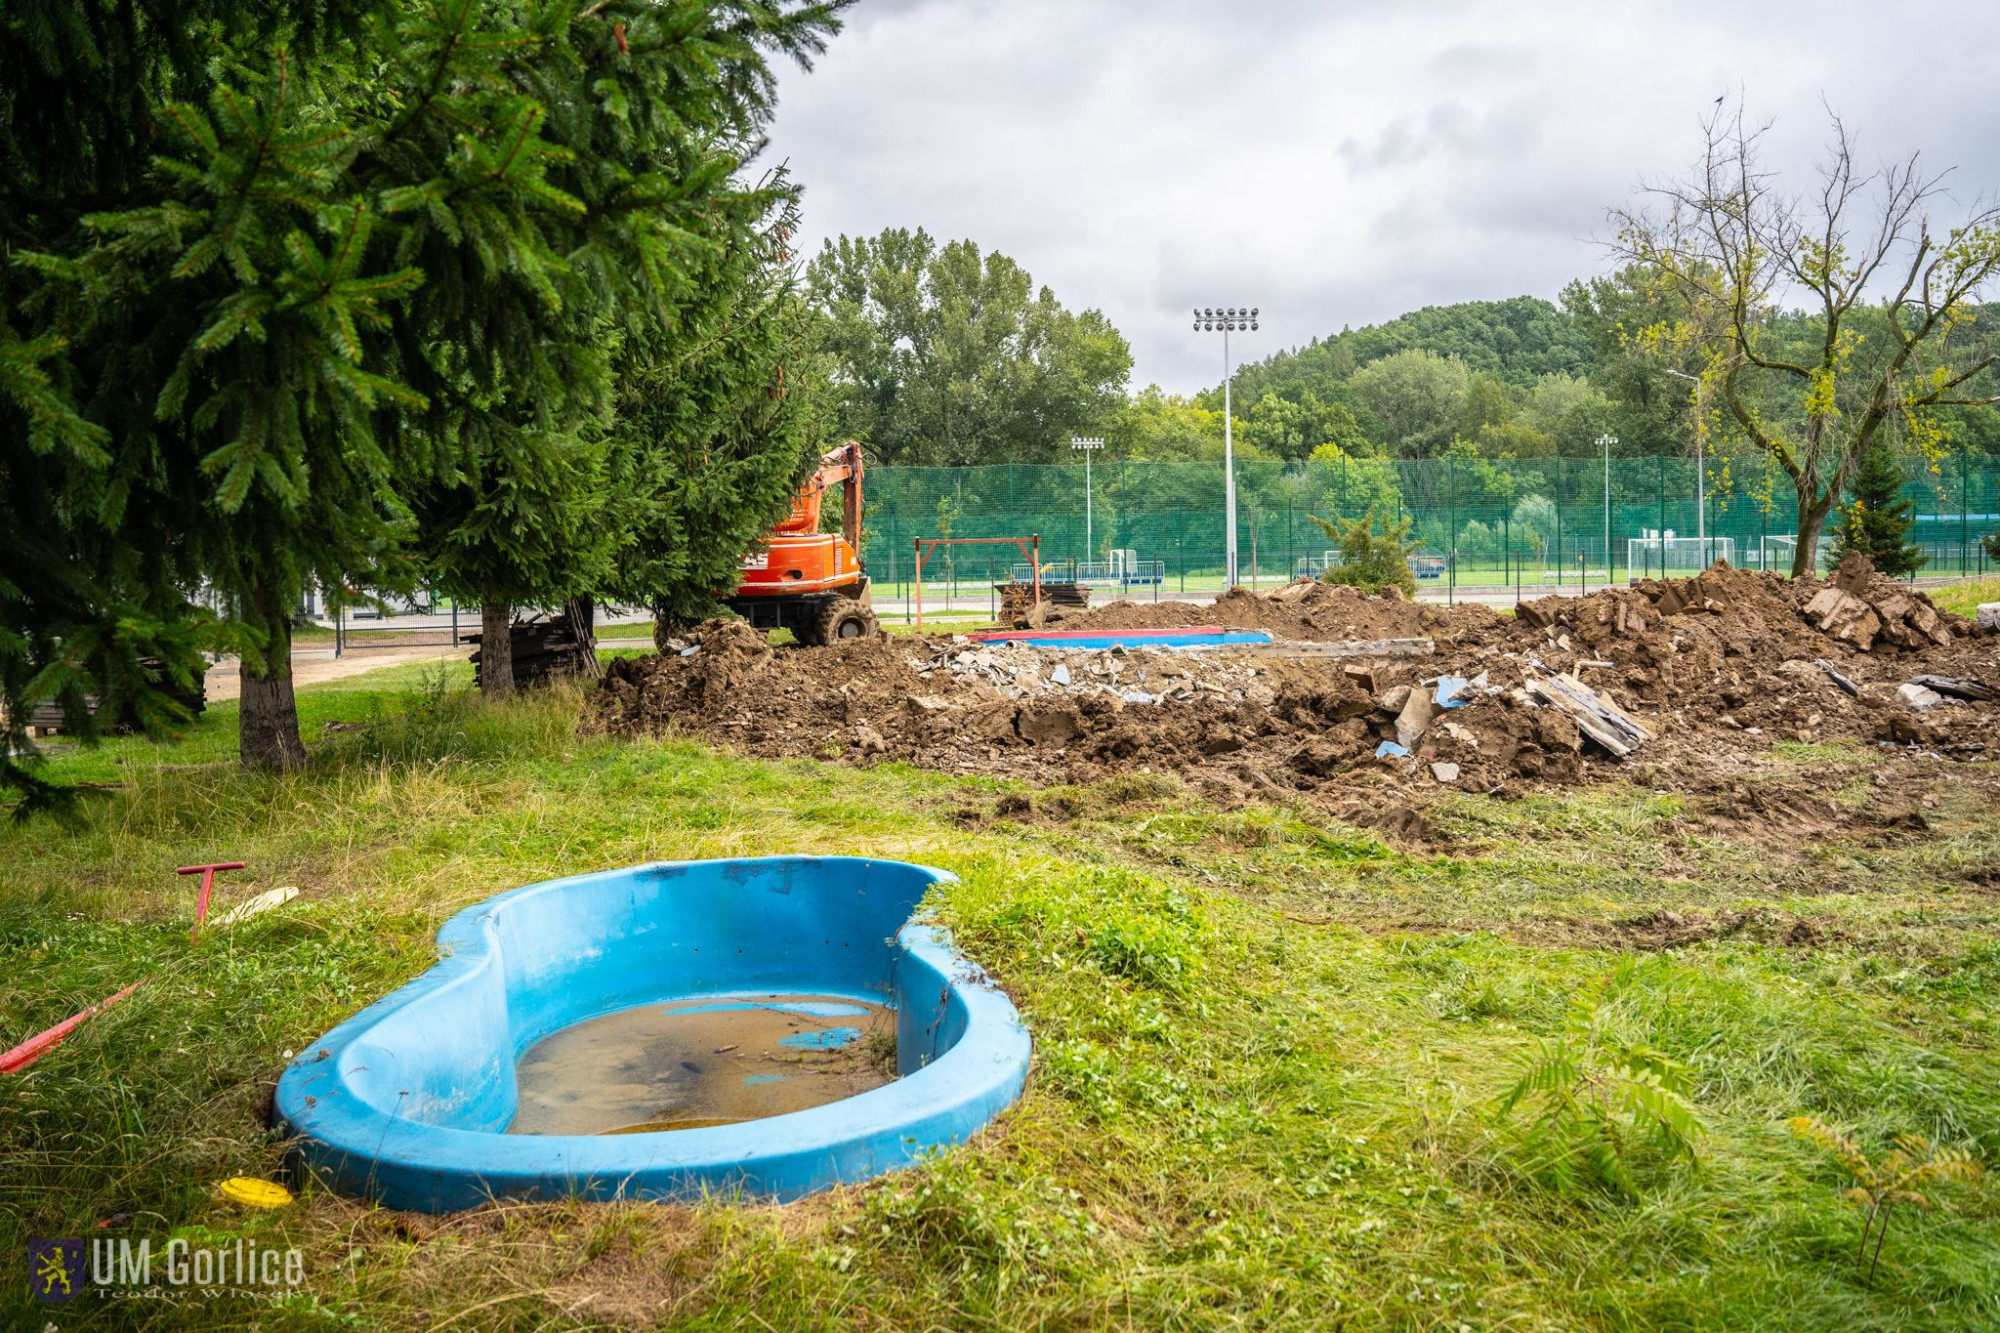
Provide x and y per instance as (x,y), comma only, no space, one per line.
(1359,689)
(1304,610)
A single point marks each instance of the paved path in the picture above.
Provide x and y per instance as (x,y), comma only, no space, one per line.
(313,664)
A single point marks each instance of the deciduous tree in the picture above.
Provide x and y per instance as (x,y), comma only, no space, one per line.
(1414,398)
(942,354)
(1734,248)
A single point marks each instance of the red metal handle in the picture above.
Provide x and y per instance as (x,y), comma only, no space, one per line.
(35,1047)
(207,874)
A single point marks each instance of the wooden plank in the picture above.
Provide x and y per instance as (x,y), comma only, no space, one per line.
(1595,715)
(1976,691)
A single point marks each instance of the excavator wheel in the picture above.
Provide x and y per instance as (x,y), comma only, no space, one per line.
(844,619)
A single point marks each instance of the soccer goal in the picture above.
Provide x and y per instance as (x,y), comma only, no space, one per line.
(1667,555)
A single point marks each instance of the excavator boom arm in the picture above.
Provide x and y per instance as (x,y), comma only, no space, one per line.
(842,464)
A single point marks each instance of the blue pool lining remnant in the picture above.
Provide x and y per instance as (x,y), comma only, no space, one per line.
(1154,639)
(408,1101)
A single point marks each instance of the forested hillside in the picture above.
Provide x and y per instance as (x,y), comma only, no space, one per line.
(1515,378)
(1518,340)
(941,355)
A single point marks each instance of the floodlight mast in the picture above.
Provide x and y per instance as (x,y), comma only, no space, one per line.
(1229,319)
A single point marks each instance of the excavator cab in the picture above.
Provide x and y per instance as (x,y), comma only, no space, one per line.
(807,581)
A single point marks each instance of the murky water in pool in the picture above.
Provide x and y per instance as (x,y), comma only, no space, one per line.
(689,1063)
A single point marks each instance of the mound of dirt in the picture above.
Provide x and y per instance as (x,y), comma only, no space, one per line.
(1304,609)
(1697,673)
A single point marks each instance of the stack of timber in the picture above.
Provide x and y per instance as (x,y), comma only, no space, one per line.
(46,718)
(1017,599)
(544,650)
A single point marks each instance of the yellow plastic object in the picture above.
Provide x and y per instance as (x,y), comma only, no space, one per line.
(255,1193)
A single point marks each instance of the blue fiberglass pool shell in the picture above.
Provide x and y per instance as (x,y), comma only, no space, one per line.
(408,1102)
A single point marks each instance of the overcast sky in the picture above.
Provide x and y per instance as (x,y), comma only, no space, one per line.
(1336,164)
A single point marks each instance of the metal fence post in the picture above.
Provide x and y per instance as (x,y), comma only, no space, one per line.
(1560,562)
(1662,533)
(1451,533)
(1964,510)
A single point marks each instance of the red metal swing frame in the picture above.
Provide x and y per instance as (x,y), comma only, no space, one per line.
(1030,546)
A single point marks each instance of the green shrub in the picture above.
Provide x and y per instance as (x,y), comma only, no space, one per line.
(1369,560)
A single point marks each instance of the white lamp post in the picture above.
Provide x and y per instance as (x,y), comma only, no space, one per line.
(1208,319)
(1087,445)
(1606,441)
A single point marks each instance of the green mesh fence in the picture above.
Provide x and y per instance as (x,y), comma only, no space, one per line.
(1546,522)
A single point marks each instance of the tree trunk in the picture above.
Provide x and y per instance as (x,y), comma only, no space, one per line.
(268,716)
(496,648)
(1812,520)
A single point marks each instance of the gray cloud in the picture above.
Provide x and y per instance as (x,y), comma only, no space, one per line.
(1335,164)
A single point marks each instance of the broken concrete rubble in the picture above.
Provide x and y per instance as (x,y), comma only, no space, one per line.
(1414,719)
(1538,698)
(1595,714)
(1845,617)
(1917,698)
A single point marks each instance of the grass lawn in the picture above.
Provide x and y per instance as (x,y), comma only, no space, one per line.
(1269,1047)
(1966,598)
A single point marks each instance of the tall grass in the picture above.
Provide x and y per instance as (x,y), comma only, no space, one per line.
(1269,1047)
(1965,598)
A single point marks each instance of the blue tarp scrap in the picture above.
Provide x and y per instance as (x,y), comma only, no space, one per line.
(1388,749)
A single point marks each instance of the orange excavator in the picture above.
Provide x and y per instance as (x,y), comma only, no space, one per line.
(807,581)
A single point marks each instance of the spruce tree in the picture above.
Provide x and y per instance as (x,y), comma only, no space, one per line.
(1876,520)
(96,570)
(355,285)
(709,448)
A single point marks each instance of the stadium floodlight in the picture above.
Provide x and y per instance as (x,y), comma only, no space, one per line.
(1228,320)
